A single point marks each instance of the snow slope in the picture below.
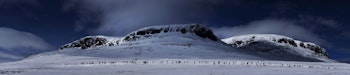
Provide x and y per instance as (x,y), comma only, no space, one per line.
(111,66)
(172,41)
(195,41)
(172,49)
(270,45)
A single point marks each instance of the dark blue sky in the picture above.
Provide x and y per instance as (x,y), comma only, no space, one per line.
(62,21)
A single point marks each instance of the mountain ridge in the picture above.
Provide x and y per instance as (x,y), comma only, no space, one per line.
(91,41)
(306,49)
(188,35)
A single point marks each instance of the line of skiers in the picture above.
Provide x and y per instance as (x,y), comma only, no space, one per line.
(244,63)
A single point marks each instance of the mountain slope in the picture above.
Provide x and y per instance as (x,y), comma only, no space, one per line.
(148,32)
(272,46)
(193,41)
(169,41)
(180,49)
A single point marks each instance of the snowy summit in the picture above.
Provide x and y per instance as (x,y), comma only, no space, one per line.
(183,49)
(278,45)
(192,29)
(260,46)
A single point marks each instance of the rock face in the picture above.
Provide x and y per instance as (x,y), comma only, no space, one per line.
(196,29)
(87,42)
(277,43)
(95,41)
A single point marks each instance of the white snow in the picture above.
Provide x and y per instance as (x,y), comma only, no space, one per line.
(169,45)
(272,39)
(170,53)
(112,66)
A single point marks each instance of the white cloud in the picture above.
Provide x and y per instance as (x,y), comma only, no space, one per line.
(123,16)
(6,56)
(270,26)
(120,17)
(13,40)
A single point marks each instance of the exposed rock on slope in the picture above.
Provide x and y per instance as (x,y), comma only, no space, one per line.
(276,43)
(96,41)
(196,29)
(91,41)
(190,39)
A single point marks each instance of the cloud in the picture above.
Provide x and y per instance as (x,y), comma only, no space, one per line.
(7,57)
(17,40)
(316,22)
(271,26)
(120,17)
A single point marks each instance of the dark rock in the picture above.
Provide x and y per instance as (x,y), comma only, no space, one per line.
(199,30)
(283,40)
(141,33)
(166,30)
(86,42)
(238,42)
(291,42)
(183,30)
(302,45)
(288,41)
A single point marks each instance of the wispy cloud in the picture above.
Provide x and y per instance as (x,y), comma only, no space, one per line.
(120,17)
(316,22)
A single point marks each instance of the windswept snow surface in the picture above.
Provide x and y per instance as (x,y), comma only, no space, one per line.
(78,65)
(167,50)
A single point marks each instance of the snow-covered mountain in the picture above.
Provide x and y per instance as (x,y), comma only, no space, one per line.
(180,49)
(285,48)
(16,45)
(195,41)
(169,41)
(148,32)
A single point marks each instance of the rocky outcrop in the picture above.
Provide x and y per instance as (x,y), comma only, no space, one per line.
(276,42)
(95,41)
(198,30)
(86,42)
